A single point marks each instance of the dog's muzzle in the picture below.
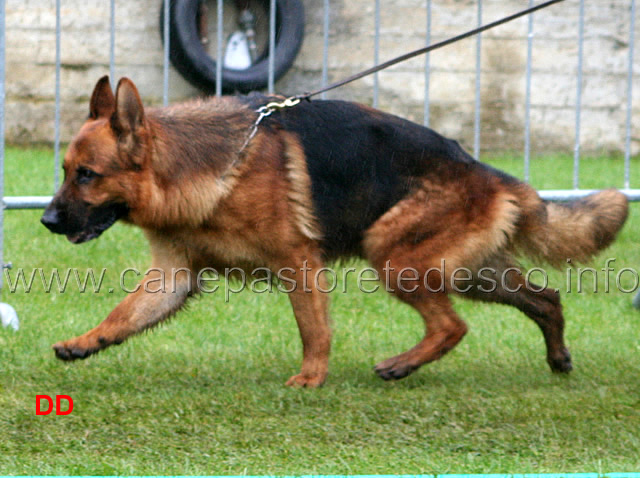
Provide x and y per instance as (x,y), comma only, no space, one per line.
(84,226)
(51,220)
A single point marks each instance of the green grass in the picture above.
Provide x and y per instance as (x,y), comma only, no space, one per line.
(205,394)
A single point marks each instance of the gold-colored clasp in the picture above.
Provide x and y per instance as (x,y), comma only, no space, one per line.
(266,110)
(269,108)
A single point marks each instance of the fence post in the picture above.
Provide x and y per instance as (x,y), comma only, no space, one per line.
(325,45)
(165,60)
(112,42)
(376,52)
(576,148)
(2,96)
(272,46)
(427,69)
(56,134)
(476,127)
(627,146)
(8,315)
(220,52)
(527,114)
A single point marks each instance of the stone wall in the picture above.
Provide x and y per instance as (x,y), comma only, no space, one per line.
(30,73)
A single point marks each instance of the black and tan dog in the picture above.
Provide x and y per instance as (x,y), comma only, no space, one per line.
(319,181)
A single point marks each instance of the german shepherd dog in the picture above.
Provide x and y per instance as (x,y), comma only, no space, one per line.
(317,182)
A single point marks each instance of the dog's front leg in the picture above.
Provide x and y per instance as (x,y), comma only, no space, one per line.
(157,297)
(310,306)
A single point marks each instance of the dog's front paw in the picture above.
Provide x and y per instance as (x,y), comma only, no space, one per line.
(73,350)
(304,380)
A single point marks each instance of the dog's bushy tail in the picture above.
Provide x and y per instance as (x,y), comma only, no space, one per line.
(576,230)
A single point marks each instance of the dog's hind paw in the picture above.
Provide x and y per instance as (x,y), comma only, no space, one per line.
(395,372)
(561,364)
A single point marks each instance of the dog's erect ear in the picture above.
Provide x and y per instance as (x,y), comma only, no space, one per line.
(129,112)
(103,103)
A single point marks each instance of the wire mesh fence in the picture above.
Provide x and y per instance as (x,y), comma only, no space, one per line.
(30,202)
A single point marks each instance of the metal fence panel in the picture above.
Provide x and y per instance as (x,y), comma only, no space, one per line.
(627,143)
(2,102)
(28,202)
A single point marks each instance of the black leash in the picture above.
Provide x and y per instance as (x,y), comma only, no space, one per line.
(421,51)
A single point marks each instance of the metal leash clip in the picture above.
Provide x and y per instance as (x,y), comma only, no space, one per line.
(267,110)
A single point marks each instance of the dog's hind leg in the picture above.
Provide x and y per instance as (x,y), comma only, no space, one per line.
(418,246)
(542,305)
(409,259)
(444,329)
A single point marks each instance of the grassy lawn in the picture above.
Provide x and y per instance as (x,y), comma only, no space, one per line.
(205,393)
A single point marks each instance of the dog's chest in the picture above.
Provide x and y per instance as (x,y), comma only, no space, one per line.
(220,248)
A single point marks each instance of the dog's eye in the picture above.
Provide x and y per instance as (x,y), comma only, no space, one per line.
(84,175)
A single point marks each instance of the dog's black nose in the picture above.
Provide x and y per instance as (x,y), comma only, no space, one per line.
(51,219)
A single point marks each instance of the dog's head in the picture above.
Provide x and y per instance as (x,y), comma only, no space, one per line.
(102,166)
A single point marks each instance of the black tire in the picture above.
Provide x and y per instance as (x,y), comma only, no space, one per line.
(189,57)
